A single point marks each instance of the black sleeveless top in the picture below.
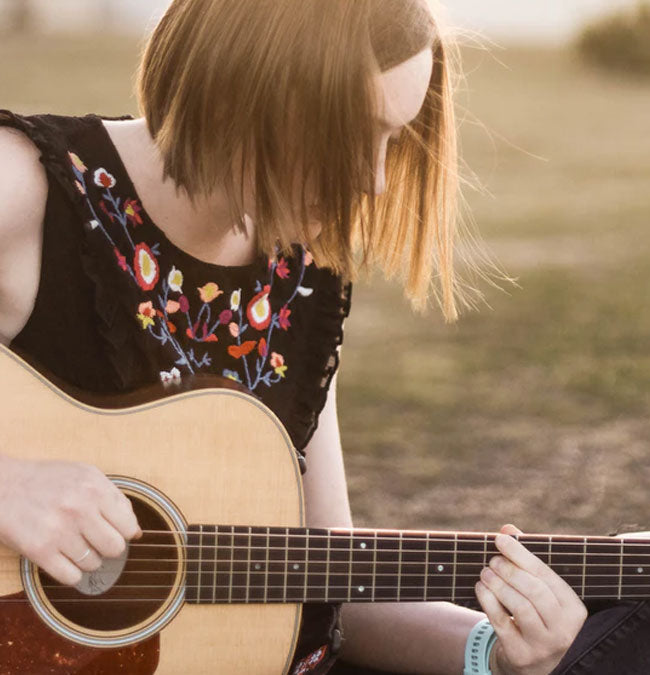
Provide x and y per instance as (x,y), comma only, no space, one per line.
(119,306)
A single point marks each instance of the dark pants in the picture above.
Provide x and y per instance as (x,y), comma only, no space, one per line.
(615,640)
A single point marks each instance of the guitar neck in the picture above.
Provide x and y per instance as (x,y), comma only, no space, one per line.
(260,564)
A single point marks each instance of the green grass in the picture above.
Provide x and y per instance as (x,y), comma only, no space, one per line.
(533,411)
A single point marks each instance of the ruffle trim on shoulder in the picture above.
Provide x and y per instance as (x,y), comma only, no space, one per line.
(322,360)
(114,298)
(47,139)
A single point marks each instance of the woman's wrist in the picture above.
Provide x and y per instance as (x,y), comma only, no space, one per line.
(495,669)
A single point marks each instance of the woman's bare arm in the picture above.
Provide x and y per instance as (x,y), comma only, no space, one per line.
(425,637)
(23,195)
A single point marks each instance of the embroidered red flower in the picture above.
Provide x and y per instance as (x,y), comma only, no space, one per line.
(259,309)
(283,318)
(261,347)
(132,211)
(225,316)
(146,267)
(104,179)
(282,269)
(121,260)
(184,304)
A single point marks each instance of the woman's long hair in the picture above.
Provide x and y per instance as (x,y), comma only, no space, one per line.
(290,84)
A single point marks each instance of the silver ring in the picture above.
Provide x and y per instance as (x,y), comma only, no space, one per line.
(85,555)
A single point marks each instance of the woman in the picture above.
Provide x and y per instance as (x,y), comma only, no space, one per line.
(277,138)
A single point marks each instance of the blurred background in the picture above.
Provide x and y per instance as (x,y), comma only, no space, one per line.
(533,410)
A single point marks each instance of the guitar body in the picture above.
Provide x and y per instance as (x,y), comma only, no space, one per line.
(193,449)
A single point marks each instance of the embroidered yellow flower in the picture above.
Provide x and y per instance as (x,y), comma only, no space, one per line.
(277,363)
(146,314)
(209,292)
(175,280)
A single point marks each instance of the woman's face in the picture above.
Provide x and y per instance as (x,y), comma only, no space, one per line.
(400,95)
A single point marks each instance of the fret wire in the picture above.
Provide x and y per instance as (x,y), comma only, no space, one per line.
(232,561)
(620,572)
(199,567)
(327,569)
(399,568)
(286,563)
(453,588)
(426,567)
(266,569)
(584,564)
(374,567)
(214,562)
(306,565)
(351,548)
(248,567)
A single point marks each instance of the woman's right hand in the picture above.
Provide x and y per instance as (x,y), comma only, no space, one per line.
(52,512)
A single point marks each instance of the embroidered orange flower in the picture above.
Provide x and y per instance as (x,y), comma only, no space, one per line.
(259,309)
(80,187)
(234,329)
(146,267)
(237,351)
(209,292)
(172,307)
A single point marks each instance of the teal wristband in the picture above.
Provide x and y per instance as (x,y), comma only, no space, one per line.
(480,641)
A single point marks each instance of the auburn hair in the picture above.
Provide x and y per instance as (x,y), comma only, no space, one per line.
(290,83)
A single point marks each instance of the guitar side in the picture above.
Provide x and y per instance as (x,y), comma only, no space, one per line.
(218,454)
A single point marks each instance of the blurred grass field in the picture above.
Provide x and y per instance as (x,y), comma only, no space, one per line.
(532,411)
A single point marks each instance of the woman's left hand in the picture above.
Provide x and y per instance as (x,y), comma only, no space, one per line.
(535,613)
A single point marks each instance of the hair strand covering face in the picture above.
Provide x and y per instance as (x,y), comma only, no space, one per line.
(289,84)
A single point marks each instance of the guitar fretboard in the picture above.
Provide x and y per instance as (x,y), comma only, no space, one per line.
(269,564)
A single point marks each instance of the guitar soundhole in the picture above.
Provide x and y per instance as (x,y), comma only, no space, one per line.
(145,584)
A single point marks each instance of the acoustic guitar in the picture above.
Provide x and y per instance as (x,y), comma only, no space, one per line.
(226,563)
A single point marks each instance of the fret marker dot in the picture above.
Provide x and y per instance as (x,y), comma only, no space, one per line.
(362,544)
(257,566)
(361,589)
(441,568)
(639,570)
(296,567)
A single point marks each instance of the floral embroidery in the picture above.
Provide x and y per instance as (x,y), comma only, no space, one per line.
(167,312)
(309,663)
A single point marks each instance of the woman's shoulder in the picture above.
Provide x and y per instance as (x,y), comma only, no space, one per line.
(23,196)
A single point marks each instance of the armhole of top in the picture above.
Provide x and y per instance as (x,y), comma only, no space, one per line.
(51,160)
